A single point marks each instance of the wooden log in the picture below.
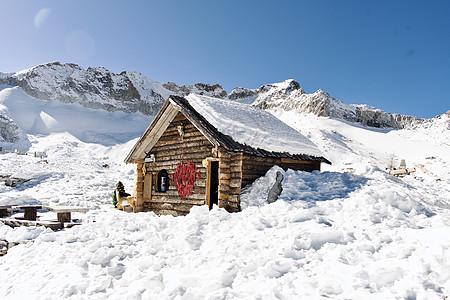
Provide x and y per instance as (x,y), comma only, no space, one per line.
(234,198)
(223,196)
(177,201)
(235,182)
(224,188)
(223,182)
(169,206)
(187,157)
(168,212)
(235,169)
(186,146)
(163,153)
(225,176)
(173,193)
(176,143)
(287,160)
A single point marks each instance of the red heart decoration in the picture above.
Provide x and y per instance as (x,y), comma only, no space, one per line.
(184,178)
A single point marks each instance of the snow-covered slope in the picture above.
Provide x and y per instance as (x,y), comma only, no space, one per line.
(21,114)
(350,232)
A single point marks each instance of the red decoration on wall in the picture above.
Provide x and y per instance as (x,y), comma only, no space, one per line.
(184,178)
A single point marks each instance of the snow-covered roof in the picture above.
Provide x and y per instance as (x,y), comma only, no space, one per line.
(232,125)
(252,126)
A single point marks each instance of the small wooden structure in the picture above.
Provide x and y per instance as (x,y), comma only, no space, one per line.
(183,160)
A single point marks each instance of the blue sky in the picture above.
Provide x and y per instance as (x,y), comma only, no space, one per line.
(394,55)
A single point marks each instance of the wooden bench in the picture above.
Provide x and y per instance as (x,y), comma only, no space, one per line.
(63,213)
(13,222)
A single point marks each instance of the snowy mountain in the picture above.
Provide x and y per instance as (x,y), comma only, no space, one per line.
(288,95)
(99,88)
(95,88)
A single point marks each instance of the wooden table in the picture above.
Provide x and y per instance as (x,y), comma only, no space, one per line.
(29,211)
(5,211)
(64,213)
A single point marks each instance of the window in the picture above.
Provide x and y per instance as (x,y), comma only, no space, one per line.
(163,181)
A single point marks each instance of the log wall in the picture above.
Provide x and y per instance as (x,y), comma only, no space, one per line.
(230,175)
(169,151)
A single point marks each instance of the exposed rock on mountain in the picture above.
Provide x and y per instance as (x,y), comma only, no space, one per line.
(93,88)
(239,93)
(288,95)
(211,90)
(9,131)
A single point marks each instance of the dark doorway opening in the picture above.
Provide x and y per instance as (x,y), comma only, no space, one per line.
(214,184)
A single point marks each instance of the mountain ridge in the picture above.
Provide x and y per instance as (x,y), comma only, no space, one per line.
(129,91)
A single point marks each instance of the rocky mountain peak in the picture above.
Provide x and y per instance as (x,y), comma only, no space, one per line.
(212,90)
(240,93)
(93,88)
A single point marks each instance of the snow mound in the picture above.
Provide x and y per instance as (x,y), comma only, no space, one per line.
(302,186)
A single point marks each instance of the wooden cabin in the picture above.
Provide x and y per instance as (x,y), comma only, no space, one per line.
(200,150)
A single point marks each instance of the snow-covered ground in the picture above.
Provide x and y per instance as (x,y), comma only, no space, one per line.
(350,232)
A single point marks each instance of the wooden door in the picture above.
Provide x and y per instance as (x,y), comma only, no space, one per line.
(147,193)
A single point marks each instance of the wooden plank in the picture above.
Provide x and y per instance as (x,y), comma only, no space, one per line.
(64,208)
(147,191)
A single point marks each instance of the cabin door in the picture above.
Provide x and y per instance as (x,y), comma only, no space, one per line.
(213,184)
(147,192)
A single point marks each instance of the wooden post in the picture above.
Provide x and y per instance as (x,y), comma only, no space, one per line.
(30,214)
(148,184)
(139,187)
(64,217)
(208,184)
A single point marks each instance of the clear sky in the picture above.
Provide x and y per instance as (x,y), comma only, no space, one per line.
(394,55)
